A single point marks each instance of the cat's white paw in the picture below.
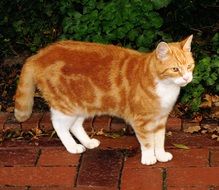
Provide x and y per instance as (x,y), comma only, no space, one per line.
(93,143)
(148,158)
(76,149)
(163,156)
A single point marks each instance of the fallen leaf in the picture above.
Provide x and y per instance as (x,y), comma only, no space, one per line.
(215,99)
(192,129)
(100,132)
(169,133)
(207,103)
(113,135)
(214,136)
(204,131)
(181,146)
(52,134)
(210,128)
(215,111)
(37,131)
(10,109)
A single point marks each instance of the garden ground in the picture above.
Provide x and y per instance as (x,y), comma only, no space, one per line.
(42,162)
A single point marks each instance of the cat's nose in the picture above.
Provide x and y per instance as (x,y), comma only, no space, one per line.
(185,78)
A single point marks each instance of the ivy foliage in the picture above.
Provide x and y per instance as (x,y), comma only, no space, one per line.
(206,75)
(131,23)
(201,19)
(29,25)
(206,81)
(138,24)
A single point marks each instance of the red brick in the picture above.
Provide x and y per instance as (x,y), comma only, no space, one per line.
(189,188)
(32,122)
(189,123)
(46,123)
(130,130)
(181,158)
(102,123)
(72,188)
(13,188)
(18,157)
(193,176)
(123,142)
(190,140)
(141,179)
(117,125)
(37,176)
(174,124)
(58,157)
(214,158)
(100,169)
(209,123)
(52,188)
(88,125)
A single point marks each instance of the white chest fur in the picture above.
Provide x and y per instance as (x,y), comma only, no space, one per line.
(168,93)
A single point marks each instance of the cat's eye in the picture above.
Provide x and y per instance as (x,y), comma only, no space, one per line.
(189,66)
(175,69)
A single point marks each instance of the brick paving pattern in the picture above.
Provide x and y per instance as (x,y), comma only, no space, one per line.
(44,164)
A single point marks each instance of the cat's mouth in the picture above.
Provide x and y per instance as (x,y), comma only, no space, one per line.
(183,85)
(183,81)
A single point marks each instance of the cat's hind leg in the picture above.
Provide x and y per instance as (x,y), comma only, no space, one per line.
(62,124)
(78,131)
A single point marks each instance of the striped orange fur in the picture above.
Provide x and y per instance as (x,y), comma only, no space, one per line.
(87,79)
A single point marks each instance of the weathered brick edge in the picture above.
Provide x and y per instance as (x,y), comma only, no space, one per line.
(105,123)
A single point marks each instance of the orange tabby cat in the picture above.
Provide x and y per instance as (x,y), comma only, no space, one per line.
(80,80)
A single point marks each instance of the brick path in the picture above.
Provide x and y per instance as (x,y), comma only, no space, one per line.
(44,164)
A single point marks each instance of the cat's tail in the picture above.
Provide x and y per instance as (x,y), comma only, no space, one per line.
(24,97)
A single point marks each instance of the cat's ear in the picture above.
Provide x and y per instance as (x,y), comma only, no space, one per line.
(186,44)
(162,51)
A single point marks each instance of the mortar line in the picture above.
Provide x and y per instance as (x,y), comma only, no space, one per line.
(121,171)
(78,169)
(164,179)
(39,152)
(209,157)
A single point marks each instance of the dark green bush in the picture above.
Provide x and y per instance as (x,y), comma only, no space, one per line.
(27,25)
(201,19)
(131,23)
(206,75)
(138,24)
(206,81)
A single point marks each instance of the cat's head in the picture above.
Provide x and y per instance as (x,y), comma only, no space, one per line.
(175,63)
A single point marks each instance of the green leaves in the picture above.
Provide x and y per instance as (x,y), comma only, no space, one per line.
(28,25)
(31,25)
(206,80)
(160,3)
(130,23)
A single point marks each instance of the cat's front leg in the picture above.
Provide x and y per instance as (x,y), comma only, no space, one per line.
(146,140)
(159,138)
(147,154)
